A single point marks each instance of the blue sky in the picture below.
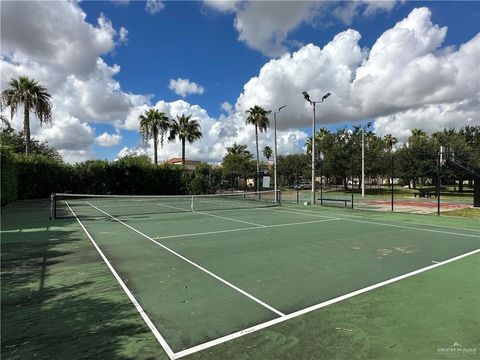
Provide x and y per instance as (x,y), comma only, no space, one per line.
(223,46)
(188,40)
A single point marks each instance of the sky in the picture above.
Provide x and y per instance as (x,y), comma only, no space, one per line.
(398,64)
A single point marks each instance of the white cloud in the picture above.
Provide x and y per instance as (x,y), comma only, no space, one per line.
(407,79)
(223,5)
(123,33)
(184,87)
(53,44)
(405,70)
(107,139)
(136,151)
(266,25)
(430,118)
(227,107)
(154,6)
(72,138)
(347,11)
(217,134)
(56,36)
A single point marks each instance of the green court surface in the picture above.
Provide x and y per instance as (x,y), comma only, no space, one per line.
(261,282)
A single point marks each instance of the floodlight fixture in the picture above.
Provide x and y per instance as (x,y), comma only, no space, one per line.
(326,96)
(281,107)
(306,96)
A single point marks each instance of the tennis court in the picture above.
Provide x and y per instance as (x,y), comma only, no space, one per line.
(235,265)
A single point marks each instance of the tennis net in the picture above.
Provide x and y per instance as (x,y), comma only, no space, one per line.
(62,205)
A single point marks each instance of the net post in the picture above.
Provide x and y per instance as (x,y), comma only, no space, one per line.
(353,174)
(53,206)
(321,179)
(191,204)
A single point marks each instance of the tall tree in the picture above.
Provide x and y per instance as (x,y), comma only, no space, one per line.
(418,136)
(34,98)
(267,152)
(4,122)
(237,149)
(320,137)
(15,141)
(258,116)
(186,129)
(152,124)
(390,141)
(236,165)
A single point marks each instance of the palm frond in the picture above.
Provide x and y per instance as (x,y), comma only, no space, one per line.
(258,116)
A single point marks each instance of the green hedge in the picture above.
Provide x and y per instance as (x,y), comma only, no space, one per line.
(9,177)
(37,176)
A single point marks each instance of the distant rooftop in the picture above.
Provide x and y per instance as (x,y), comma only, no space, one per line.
(179,161)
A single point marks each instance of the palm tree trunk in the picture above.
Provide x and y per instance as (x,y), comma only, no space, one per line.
(183,152)
(155,145)
(26,126)
(258,160)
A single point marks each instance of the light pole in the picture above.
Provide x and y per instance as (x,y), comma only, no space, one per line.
(275,150)
(313,103)
(363,163)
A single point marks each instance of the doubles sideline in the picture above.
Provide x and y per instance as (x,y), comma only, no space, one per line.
(314,214)
(127,291)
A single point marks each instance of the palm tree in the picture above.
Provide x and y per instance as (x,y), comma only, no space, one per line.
(267,152)
(320,136)
(34,97)
(418,135)
(258,116)
(152,124)
(390,141)
(5,122)
(186,129)
(237,149)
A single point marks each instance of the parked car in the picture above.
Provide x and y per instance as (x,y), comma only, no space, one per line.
(302,186)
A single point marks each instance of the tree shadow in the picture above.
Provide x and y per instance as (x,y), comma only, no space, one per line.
(58,298)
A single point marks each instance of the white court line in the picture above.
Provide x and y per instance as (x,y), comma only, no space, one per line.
(295,314)
(193,263)
(227,218)
(139,308)
(386,224)
(217,216)
(396,221)
(242,229)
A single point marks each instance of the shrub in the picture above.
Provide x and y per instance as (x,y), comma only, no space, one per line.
(9,177)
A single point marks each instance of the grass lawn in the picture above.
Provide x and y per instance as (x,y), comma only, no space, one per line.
(447,194)
(473,213)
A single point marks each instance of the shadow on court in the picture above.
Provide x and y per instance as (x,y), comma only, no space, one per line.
(58,300)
